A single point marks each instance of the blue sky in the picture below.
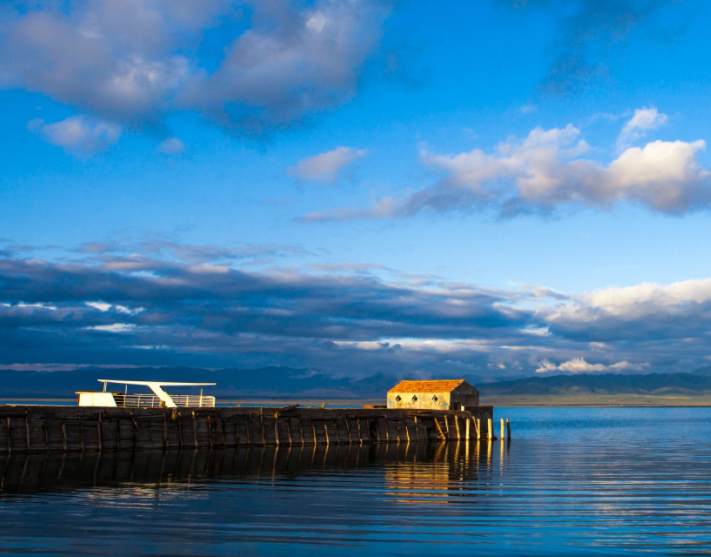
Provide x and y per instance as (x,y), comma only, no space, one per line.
(474,152)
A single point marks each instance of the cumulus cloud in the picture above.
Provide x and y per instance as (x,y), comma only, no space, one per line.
(580,365)
(327,166)
(78,135)
(172,306)
(648,310)
(549,170)
(133,62)
(643,120)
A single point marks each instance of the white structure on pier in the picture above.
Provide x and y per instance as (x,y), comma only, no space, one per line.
(159,398)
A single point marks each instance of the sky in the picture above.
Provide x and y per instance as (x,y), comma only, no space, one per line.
(494,188)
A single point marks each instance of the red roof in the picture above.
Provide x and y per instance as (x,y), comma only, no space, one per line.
(434,386)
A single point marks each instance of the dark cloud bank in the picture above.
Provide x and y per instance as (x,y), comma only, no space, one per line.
(204,307)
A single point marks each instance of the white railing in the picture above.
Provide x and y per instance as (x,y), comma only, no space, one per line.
(152,401)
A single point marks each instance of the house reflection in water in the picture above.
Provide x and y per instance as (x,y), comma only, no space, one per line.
(439,478)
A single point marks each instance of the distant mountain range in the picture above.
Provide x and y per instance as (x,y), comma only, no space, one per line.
(658,384)
(264,382)
(299,383)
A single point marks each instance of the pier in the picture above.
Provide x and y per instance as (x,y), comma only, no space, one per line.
(27,429)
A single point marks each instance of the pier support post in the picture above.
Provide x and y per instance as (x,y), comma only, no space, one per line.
(503,429)
(508,429)
(491,429)
(467,429)
(27,431)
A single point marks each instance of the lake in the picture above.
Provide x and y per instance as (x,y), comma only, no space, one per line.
(570,481)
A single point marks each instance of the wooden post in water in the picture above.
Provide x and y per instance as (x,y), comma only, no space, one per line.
(503,429)
(180,431)
(467,429)
(165,431)
(276,429)
(439,428)
(491,429)
(508,429)
(27,431)
(478,429)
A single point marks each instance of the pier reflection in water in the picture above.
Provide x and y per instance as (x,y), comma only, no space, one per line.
(430,467)
(606,481)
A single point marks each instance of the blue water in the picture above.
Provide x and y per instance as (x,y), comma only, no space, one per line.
(570,481)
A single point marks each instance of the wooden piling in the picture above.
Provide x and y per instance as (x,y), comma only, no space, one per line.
(439,428)
(135,432)
(209,432)
(508,429)
(467,429)
(503,429)
(165,431)
(180,431)
(27,432)
(491,429)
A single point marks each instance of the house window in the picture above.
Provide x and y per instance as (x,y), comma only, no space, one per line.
(414,398)
(397,398)
(435,398)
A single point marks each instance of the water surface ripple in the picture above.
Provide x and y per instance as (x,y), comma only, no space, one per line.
(571,481)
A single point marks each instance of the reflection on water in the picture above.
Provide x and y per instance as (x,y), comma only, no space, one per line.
(571,481)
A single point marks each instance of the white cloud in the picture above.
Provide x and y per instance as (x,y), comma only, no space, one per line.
(547,171)
(101,306)
(114,328)
(644,120)
(580,365)
(637,302)
(78,135)
(271,64)
(171,146)
(104,307)
(326,166)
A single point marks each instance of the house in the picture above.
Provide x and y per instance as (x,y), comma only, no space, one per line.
(443,394)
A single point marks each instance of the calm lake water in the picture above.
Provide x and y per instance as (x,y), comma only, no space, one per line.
(571,481)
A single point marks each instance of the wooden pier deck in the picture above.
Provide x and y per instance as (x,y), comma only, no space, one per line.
(64,428)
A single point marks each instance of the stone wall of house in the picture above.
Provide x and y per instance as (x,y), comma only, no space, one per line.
(464,396)
(425,401)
